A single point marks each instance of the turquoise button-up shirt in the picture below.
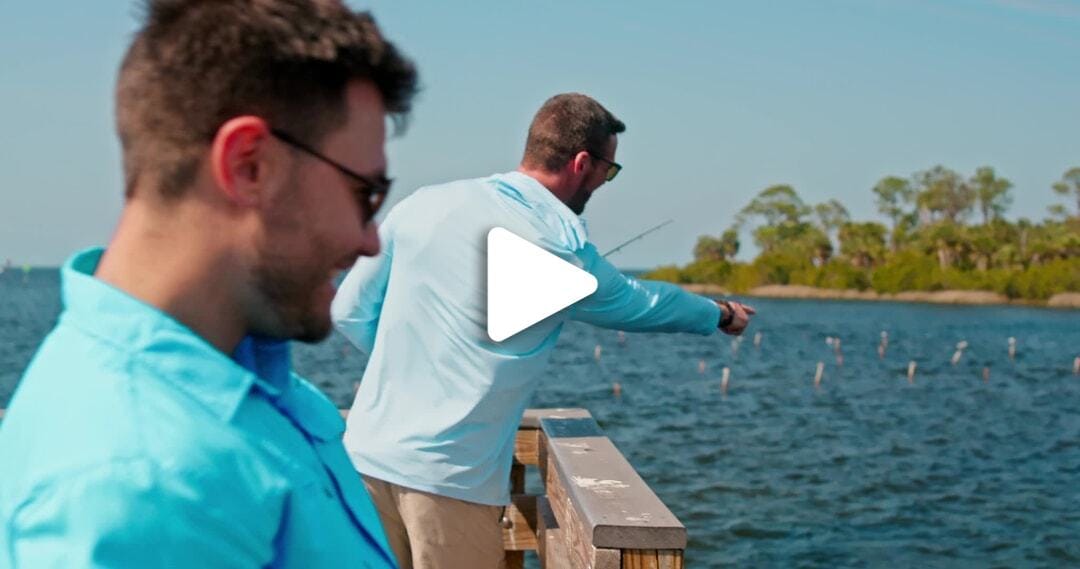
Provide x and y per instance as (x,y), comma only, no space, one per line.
(440,403)
(131,442)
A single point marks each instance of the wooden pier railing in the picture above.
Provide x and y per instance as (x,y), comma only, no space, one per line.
(596,512)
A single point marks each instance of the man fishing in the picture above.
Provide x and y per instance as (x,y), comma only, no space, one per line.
(159,424)
(432,426)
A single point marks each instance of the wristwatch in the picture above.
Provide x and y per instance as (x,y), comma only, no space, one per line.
(726,320)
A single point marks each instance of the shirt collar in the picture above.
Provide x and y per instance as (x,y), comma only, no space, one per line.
(155,342)
(531,192)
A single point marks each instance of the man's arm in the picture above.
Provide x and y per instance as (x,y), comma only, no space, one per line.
(625,303)
(124,515)
(358,302)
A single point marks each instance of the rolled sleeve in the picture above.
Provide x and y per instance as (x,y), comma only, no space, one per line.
(128,515)
(626,303)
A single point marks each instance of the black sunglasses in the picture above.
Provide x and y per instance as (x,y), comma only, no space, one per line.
(370,192)
(613,167)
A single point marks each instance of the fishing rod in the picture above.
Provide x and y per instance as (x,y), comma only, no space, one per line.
(638,236)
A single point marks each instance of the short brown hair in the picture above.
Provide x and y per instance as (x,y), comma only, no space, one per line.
(565,125)
(197,63)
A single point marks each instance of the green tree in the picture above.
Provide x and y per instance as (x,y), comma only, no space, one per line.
(776,205)
(894,197)
(1070,185)
(709,248)
(991,193)
(863,243)
(831,215)
(943,194)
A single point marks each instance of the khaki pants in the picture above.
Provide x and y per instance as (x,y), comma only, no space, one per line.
(435,532)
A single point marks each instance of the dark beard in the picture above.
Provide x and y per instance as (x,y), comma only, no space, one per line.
(579,199)
(288,295)
(286,283)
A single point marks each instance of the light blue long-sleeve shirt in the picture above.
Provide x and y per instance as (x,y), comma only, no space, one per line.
(440,403)
(131,442)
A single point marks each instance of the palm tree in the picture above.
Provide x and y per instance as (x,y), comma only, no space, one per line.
(991,193)
(1070,184)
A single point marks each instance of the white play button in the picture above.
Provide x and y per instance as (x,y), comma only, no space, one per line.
(526,284)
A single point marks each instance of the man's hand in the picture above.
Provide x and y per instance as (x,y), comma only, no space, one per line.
(736,314)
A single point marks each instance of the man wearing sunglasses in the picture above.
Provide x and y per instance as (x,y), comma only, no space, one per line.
(159,424)
(433,423)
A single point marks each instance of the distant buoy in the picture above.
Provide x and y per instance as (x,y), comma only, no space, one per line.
(911,371)
(757,340)
(701,366)
(986,375)
(817,375)
(735,345)
(960,347)
(884,345)
(724,376)
(596,352)
(829,341)
(616,389)
(1012,348)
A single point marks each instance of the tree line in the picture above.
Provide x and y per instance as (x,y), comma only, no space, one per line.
(945,231)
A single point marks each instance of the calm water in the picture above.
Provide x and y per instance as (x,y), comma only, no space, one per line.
(867,471)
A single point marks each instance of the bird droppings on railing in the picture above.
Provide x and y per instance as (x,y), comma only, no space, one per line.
(579,448)
(598,486)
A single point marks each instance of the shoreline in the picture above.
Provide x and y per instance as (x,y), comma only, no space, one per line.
(1066,300)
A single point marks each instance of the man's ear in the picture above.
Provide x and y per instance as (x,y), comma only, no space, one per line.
(580,161)
(238,159)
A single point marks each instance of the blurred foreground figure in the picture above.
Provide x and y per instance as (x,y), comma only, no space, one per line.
(159,424)
(432,427)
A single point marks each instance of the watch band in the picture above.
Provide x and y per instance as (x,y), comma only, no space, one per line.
(726,320)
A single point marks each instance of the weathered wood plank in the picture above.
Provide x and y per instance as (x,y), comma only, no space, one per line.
(574,536)
(606,559)
(670,558)
(525,446)
(550,545)
(612,505)
(521,535)
(640,559)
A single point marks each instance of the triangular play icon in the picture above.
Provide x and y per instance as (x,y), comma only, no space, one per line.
(526,284)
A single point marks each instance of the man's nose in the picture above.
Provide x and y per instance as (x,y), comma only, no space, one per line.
(369,244)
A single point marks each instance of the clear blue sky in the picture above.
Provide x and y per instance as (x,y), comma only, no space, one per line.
(721,99)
